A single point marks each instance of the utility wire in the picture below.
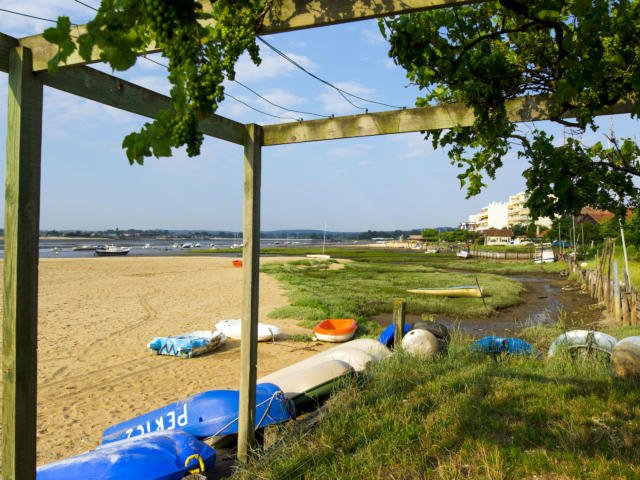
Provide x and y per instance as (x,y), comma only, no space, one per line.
(260,111)
(27,15)
(338,89)
(283,55)
(280,106)
(86,5)
(256,93)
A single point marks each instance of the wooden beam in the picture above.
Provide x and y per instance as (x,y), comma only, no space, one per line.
(250,285)
(289,15)
(525,109)
(20,297)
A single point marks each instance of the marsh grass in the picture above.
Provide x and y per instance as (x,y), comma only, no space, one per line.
(362,289)
(467,416)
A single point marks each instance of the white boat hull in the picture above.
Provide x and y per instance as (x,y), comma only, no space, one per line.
(233,329)
(334,338)
(583,340)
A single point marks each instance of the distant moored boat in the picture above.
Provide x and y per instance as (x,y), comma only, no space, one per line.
(111,250)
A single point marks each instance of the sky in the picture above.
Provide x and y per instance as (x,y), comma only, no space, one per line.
(377,183)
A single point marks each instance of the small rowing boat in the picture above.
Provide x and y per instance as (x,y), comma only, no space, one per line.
(167,455)
(450,291)
(187,345)
(335,329)
(233,329)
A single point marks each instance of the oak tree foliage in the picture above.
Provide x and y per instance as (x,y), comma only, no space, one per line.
(582,55)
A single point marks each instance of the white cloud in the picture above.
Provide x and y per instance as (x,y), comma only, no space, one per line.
(333,102)
(372,37)
(352,151)
(298,43)
(413,145)
(20,26)
(272,66)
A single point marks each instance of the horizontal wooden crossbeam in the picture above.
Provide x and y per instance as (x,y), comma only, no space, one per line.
(109,90)
(289,15)
(525,109)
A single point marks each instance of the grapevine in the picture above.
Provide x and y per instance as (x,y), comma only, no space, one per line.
(201,55)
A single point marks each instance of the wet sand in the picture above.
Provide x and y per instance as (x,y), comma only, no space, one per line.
(96,316)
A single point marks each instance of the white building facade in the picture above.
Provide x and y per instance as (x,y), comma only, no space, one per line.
(494,215)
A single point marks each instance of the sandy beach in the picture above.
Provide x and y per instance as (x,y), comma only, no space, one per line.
(96,316)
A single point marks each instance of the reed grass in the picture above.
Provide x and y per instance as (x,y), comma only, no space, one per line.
(360,290)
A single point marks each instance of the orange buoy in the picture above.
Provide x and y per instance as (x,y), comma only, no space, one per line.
(237,263)
(335,329)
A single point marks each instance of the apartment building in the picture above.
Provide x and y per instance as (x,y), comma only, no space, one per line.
(494,215)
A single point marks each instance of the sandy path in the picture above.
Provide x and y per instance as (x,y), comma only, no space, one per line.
(96,316)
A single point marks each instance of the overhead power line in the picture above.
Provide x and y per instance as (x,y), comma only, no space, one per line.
(341,91)
(27,15)
(86,5)
(280,106)
(260,111)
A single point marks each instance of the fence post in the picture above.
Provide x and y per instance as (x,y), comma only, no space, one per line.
(634,309)
(399,311)
(616,293)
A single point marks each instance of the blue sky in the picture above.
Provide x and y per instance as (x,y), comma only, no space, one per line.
(382,183)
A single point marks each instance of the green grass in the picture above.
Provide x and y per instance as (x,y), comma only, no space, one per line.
(360,290)
(634,268)
(465,416)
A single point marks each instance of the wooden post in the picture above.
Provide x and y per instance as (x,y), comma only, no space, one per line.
(21,232)
(626,314)
(634,309)
(399,309)
(616,294)
(250,284)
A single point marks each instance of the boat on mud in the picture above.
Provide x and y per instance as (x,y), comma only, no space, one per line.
(465,291)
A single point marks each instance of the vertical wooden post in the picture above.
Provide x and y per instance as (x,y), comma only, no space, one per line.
(399,309)
(616,294)
(21,232)
(634,309)
(250,284)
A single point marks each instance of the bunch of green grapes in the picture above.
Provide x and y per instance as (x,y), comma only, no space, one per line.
(200,57)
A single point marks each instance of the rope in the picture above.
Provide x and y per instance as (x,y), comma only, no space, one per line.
(278,394)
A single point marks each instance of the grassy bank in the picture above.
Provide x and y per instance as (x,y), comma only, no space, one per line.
(362,289)
(466,416)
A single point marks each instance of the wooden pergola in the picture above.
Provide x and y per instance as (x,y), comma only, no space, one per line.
(26,60)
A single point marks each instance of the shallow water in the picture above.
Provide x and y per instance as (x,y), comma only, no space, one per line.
(545,302)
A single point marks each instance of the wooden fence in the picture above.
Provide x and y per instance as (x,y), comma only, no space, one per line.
(603,284)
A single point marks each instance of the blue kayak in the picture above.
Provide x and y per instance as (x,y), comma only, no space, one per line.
(159,456)
(512,346)
(206,414)
(386,337)
(187,345)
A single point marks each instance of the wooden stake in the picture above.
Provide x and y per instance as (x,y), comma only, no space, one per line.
(399,309)
(21,232)
(616,294)
(634,309)
(250,284)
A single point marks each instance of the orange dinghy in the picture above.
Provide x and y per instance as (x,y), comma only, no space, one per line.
(237,263)
(335,329)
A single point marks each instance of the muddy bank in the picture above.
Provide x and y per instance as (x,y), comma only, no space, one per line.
(547,300)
